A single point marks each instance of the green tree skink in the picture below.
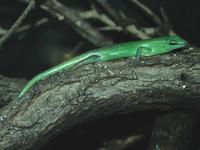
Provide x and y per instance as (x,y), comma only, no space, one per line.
(148,47)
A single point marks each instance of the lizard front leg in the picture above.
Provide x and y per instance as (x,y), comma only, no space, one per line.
(138,54)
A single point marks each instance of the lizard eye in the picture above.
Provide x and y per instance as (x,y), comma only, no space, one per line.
(173,42)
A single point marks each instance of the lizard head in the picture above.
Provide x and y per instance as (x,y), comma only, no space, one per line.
(163,45)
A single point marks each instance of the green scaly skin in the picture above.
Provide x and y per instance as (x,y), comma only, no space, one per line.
(148,47)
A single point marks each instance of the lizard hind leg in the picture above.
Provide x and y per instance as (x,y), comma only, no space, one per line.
(139,53)
(89,60)
(134,60)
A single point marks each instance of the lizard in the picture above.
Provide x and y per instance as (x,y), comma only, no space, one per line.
(134,49)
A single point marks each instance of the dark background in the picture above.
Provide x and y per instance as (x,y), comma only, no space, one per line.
(28,53)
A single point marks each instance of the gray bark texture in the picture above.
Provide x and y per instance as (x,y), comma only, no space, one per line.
(79,95)
(173,130)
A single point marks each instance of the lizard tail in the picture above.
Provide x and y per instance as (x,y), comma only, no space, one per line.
(84,58)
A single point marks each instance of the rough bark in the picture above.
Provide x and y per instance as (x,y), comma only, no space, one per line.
(173,131)
(93,91)
(9,89)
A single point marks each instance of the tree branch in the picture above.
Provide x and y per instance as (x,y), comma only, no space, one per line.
(9,89)
(129,27)
(17,23)
(94,91)
(173,131)
(73,18)
(148,11)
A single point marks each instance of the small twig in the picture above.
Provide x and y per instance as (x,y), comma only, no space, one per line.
(120,19)
(93,14)
(26,26)
(166,21)
(111,25)
(72,17)
(17,23)
(148,11)
(132,29)
(2,31)
(116,15)
(164,15)
(36,24)
(150,31)
(111,28)
(121,143)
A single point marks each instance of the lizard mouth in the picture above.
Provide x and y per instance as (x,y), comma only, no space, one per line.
(173,42)
(183,43)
